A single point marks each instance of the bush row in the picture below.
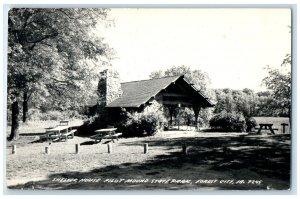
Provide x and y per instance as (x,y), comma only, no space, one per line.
(232,122)
(36,115)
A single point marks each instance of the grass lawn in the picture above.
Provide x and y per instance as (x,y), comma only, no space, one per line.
(39,127)
(262,162)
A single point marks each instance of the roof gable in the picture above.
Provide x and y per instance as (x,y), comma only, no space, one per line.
(139,92)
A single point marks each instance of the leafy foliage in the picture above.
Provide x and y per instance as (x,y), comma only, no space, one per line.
(54,56)
(279,82)
(199,78)
(187,116)
(267,105)
(248,103)
(101,119)
(250,124)
(147,122)
(236,101)
(37,115)
(229,122)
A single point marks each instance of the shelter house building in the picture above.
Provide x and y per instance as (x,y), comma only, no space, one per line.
(171,92)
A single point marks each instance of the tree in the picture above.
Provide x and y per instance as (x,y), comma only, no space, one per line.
(199,78)
(266,105)
(242,101)
(279,82)
(52,54)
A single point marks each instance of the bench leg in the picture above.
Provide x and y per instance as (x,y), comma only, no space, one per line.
(259,130)
(272,131)
(97,141)
(63,137)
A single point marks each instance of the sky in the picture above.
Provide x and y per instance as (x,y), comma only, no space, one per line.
(233,46)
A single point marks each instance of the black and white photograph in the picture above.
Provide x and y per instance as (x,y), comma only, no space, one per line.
(149,99)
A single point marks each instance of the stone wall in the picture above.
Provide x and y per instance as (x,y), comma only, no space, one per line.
(109,86)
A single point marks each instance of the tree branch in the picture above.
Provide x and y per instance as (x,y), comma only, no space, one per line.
(59,81)
(43,38)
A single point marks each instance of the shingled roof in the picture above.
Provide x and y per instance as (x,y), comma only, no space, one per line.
(137,93)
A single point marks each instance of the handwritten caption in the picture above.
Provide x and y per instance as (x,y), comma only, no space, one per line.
(157,181)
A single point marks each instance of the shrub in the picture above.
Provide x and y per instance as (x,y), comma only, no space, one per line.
(55,115)
(147,122)
(201,122)
(204,116)
(231,122)
(102,119)
(250,124)
(36,115)
(90,125)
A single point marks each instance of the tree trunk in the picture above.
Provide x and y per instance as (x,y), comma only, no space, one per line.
(14,134)
(25,107)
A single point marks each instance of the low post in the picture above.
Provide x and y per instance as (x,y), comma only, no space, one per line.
(184,149)
(76,148)
(145,148)
(14,149)
(109,148)
(283,127)
(47,150)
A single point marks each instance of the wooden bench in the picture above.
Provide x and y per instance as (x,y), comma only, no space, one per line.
(97,138)
(65,136)
(44,137)
(56,137)
(51,137)
(116,136)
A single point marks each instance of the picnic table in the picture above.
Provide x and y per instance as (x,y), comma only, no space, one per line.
(108,133)
(60,132)
(266,127)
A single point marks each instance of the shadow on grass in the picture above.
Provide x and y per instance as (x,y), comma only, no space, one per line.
(93,142)
(38,141)
(88,143)
(222,158)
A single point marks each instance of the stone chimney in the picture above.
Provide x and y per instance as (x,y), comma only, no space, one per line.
(109,86)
